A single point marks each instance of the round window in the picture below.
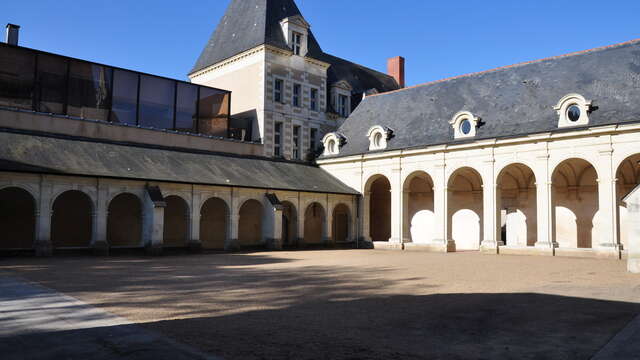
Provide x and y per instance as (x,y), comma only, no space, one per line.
(465,126)
(573,113)
(377,140)
(332,147)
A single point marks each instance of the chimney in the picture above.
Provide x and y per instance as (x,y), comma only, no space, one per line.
(395,68)
(12,34)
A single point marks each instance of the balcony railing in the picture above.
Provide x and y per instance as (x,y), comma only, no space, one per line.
(48,83)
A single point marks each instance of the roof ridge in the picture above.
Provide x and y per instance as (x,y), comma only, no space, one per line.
(359,65)
(576,53)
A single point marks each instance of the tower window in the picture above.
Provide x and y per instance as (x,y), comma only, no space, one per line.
(313,139)
(296,142)
(277,140)
(297,43)
(297,90)
(313,96)
(343,105)
(277,90)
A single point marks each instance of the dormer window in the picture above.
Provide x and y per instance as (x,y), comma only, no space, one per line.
(379,137)
(573,110)
(464,125)
(343,105)
(297,43)
(296,31)
(332,143)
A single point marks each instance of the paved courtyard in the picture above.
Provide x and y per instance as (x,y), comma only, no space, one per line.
(351,304)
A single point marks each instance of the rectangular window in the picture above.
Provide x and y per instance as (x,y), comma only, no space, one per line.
(186,108)
(343,103)
(213,112)
(125,97)
(16,77)
(277,140)
(296,142)
(51,89)
(157,96)
(297,91)
(89,90)
(278,85)
(313,98)
(313,141)
(297,43)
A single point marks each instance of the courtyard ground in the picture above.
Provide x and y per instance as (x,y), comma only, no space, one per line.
(356,304)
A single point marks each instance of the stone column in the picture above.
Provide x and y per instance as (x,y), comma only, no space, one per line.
(366,220)
(327,227)
(153,225)
(406,217)
(545,207)
(195,243)
(396,206)
(606,243)
(442,241)
(99,217)
(43,246)
(273,232)
(633,243)
(231,242)
(490,211)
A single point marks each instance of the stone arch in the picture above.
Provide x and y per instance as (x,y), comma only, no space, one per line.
(176,222)
(72,220)
(17,218)
(250,231)
(574,203)
(314,224)
(516,199)
(418,214)
(214,223)
(289,224)
(627,178)
(341,224)
(378,204)
(124,221)
(465,208)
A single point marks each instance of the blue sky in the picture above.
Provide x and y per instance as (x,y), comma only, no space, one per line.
(438,38)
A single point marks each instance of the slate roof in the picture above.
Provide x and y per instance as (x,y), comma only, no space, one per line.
(512,101)
(250,23)
(50,154)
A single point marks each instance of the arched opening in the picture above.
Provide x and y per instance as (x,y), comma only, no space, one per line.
(419,217)
(289,224)
(517,204)
(250,231)
(379,192)
(176,222)
(17,219)
(628,177)
(341,223)
(575,203)
(465,209)
(214,216)
(71,221)
(124,222)
(314,224)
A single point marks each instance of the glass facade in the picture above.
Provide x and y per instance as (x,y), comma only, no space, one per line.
(48,83)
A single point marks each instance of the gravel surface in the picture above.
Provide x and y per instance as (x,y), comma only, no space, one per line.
(358,304)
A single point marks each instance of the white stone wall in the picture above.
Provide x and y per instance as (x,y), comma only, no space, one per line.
(596,198)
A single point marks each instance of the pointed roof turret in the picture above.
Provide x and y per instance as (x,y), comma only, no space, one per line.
(247,24)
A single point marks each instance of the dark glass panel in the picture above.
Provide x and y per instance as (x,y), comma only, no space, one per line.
(125,97)
(51,84)
(17,70)
(89,90)
(574,113)
(156,102)
(213,117)
(186,107)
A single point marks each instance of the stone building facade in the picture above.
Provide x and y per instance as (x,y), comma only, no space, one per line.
(293,92)
(537,165)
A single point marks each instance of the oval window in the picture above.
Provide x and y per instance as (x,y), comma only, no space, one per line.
(332,147)
(465,126)
(377,140)
(573,113)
